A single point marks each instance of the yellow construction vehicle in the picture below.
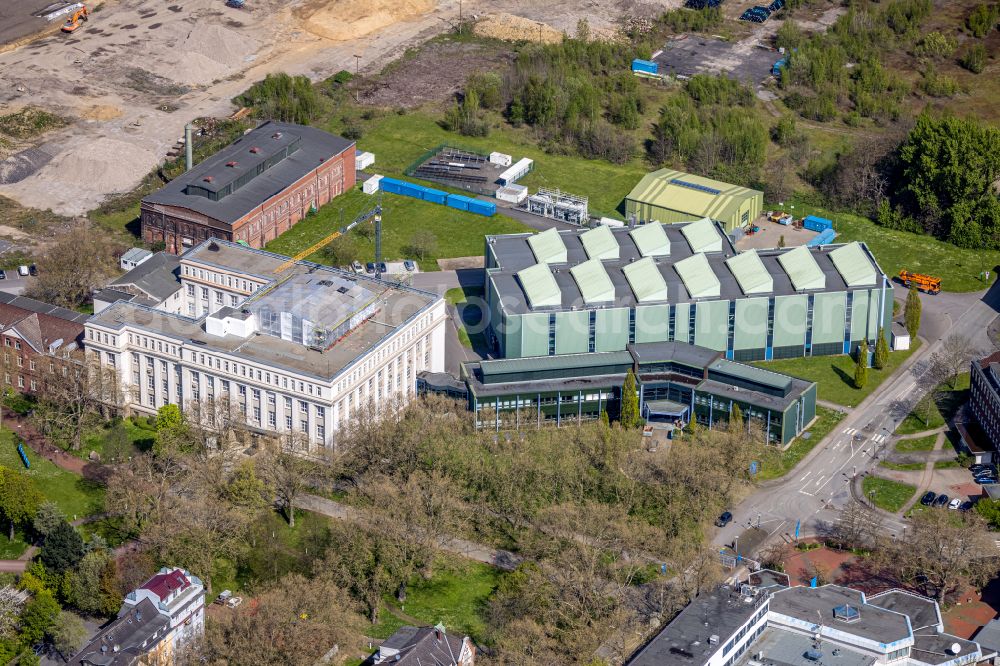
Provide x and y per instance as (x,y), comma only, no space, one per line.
(76,18)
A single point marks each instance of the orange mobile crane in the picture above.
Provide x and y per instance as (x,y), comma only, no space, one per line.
(925,283)
(73,22)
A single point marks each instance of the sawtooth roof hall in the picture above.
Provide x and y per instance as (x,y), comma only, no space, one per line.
(598,290)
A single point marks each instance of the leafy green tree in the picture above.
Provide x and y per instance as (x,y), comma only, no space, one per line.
(85,591)
(861,367)
(39,617)
(169,416)
(246,489)
(19,498)
(341,251)
(63,548)
(47,518)
(911,312)
(282,97)
(989,509)
(736,418)
(881,350)
(172,431)
(68,633)
(629,415)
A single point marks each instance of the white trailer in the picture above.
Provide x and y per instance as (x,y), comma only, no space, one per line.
(516,172)
(513,193)
(363,160)
(501,159)
(371,186)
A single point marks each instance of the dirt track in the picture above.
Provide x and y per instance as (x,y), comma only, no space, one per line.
(137,72)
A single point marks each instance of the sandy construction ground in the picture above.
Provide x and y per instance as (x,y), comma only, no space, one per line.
(133,75)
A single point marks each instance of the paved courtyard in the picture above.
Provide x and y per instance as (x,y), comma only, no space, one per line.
(770,234)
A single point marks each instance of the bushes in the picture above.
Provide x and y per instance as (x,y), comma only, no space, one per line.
(283,97)
(936,45)
(974,59)
(938,85)
(691,20)
(983,19)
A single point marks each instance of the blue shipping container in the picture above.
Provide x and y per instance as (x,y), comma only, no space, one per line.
(813,223)
(824,238)
(487,208)
(645,66)
(435,196)
(458,201)
(390,185)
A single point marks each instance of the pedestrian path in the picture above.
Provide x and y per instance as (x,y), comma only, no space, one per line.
(878,439)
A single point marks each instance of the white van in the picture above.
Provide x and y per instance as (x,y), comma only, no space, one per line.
(22,271)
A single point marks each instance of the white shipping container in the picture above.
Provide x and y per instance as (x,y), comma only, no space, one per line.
(611,222)
(513,193)
(371,185)
(501,158)
(511,175)
(363,160)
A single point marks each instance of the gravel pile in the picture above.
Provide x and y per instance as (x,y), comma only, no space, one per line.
(21,165)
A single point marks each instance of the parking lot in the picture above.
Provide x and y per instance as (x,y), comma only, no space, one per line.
(14,283)
(687,55)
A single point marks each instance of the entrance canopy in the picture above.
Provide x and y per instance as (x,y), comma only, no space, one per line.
(664,409)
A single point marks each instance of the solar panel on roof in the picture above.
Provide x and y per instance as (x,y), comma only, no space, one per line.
(695,186)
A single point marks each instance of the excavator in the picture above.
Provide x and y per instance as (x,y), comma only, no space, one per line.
(75,19)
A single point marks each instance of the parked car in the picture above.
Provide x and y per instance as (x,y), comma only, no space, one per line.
(382,268)
(409,265)
(928,498)
(966,505)
(954,504)
(3,275)
(33,270)
(224,596)
(370,267)
(357,267)
(942,500)
(985,480)
(22,271)
(724,519)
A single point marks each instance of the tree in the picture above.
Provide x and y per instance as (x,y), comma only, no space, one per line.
(11,603)
(947,550)
(283,97)
(293,621)
(87,580)
(77,264)
(881,350)
(974,59)
(629,415)
(861,367)
(288,474)
(857,526)
(926,406)
(911,312)
(422,244)
(39,616)
(78,395)
(247,490)
(173,431)
(19,498)
(736,418)
(68,633)
(368,563)
(47,518)
(781,241)
(341,251)
(63,548)
(957,351)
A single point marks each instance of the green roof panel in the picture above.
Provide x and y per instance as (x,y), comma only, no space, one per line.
(593,281)
(853,265)
(548,247)
(505,366)
(539,286)
(752,373)
(694,195)
(750,272)
(651,240)
(698,276)
(802,269)
(600,243)
(646,280)
(702,236)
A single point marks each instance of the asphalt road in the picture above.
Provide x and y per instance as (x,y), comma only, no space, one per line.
(818,487)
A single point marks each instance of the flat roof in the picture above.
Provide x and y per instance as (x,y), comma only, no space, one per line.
(394,304)
(680,352)
(651,240)
(779,647)
(685,640)
(261,147)
(506,366)
(934,648)
(812,604)
(923,612)
(237,258)
(593,281)
(752,373)
(514,301)
(750,272)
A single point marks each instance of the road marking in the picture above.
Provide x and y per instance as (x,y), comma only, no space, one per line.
(850,431)
(820,479)
(805,493)
(878,439)
(806,476)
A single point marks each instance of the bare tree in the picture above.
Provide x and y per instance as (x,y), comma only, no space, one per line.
(288,473)
(74,266)
(957,351)
(926,406)
(857,526)
(75,390)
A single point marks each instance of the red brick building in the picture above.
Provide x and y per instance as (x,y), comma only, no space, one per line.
(253,190)
(36,338)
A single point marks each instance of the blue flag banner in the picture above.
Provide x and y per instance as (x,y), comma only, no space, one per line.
(798,524)
(812,582)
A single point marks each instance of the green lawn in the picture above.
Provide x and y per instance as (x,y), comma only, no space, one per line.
(835,374)
(11,550)
(457,233)
(958,268)
(947,464)
(903,467)
(138,437)
(399,140)
(471,314)
(778,463)
(948,401)
(925,443)
(76,496)
(454,596)
(887,494)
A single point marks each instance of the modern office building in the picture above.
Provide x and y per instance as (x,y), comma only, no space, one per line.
(286,347)
(251,191)
(673,196)
(602,289)
(677,382)
(831,625)
(982,434)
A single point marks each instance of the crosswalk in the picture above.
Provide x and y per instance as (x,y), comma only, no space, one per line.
(878,439)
